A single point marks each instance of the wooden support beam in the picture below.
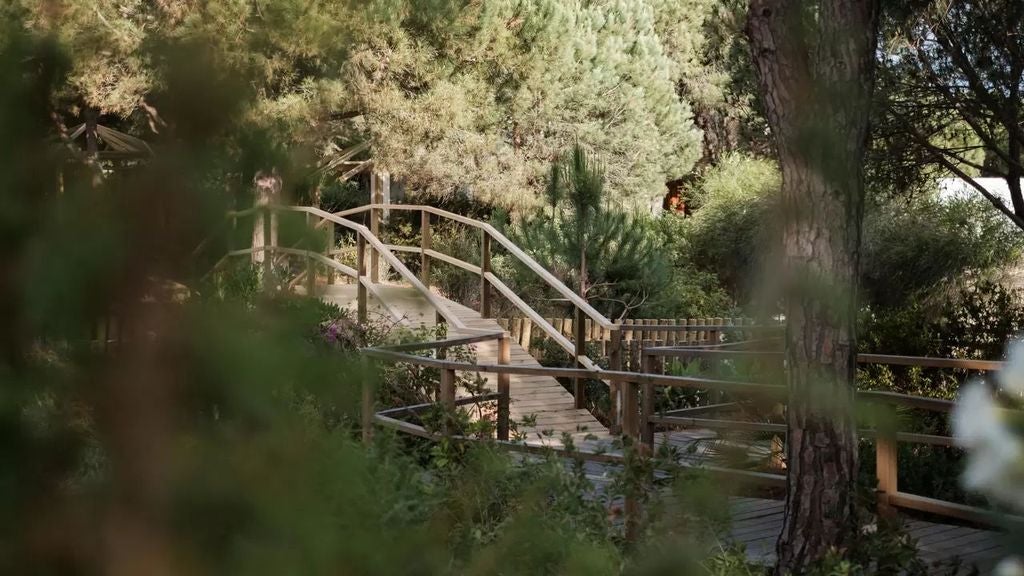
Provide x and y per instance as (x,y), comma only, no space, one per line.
(579,385)
(504,357)
(886,460)
(426,244)
(376,197)
(360,276)
(448,399)
(485,267)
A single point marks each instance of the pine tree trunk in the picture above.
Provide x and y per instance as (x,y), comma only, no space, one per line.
(814,63)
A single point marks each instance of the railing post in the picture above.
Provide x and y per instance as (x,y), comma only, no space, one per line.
(579,385)
(615,388)
(447,399)
(310,267)
(504,358)
(361,277)
(647,404)
(886,460)
(630,430)
(328,251)
(375,230)
(485,268)
(268,253)
(426,242)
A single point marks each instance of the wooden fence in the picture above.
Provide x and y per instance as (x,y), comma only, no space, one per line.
(638,334)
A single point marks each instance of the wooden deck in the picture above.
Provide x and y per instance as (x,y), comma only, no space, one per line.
(756,523)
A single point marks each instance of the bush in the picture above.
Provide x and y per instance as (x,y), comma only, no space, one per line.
(974,322)
(732,226)
(341,195)
(925,250)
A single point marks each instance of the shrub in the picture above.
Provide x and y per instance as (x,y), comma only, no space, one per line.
(926,250)
(974,322)
(733,225)
(341,195)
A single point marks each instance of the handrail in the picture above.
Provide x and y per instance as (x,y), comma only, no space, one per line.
(510,246)
(640,384)
(888,359)
(389,257)
(386,250)
(489,280)
(757,389)
(886,439)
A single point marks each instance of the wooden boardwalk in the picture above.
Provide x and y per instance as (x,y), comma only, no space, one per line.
(756,523)
(542,398)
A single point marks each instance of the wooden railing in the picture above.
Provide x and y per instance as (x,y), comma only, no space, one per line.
(640,420)
(887,438)
(636,389)
(366,243)
(446,396)
(491,238)
(622,341)
(639,334)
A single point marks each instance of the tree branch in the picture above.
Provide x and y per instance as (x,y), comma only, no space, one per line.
(946,163)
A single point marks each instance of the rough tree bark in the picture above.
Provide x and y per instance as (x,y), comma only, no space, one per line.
(814,60)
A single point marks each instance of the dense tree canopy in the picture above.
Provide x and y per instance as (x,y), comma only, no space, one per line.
(487,104)
(453,96)
(952,76)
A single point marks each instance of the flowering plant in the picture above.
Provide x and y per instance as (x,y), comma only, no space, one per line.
(988,422)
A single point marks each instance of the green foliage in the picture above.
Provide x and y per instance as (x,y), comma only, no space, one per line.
(923,249)
(732,562)
(974,322)
(341,195)
(731,232)
(486,103)
(950,76)
(456,283)
(608,256)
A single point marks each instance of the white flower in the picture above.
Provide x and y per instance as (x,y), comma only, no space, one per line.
(1011,377)
(869,529)
(995,460)
(974,414)
(1009,566)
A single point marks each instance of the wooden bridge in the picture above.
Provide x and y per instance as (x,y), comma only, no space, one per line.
(550,414)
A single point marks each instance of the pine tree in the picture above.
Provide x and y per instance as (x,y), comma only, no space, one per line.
(604,252)
(486,105)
